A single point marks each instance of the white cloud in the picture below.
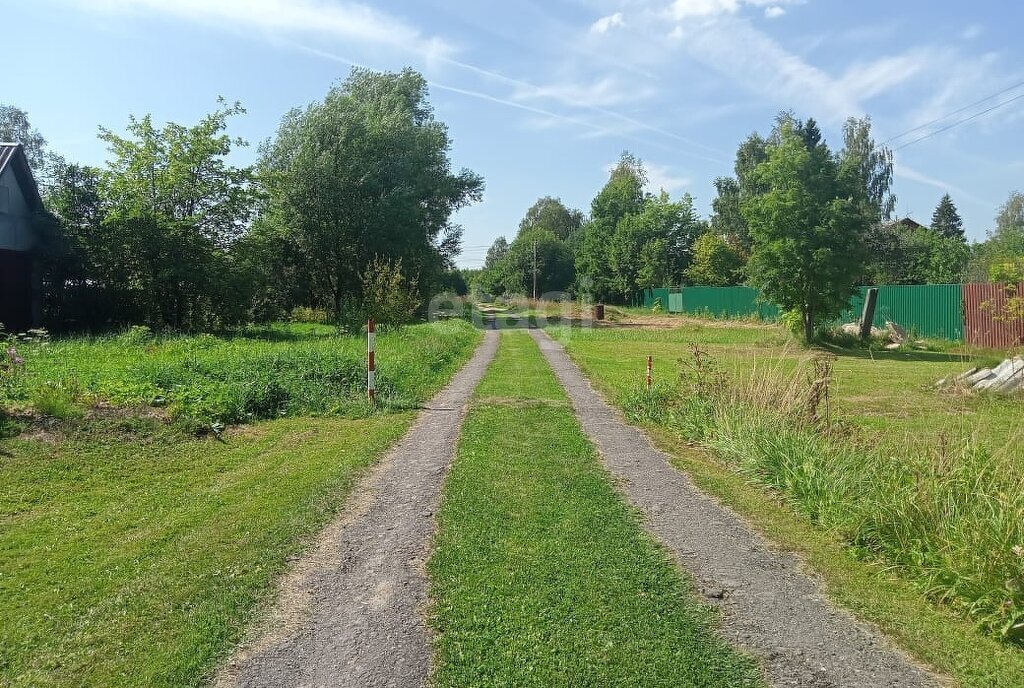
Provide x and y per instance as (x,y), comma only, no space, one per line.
(349,21)
(972,32)
(605,24)
(603,92)
(685,9)
(910,174)
(661,177)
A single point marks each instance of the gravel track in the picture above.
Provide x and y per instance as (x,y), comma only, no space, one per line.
(771,608)
(352,610)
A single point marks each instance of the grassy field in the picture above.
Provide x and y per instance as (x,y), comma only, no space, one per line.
(912,482)
(133,552)
(542,575)
(258,373)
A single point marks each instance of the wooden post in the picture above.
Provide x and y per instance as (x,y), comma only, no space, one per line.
(650,367)
(371,363)
(867,317)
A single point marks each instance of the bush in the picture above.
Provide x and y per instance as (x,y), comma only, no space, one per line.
(305,314)
(57,399)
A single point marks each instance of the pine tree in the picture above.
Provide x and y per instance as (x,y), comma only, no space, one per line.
(947,221)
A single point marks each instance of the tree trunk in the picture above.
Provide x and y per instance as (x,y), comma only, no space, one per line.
(808,324)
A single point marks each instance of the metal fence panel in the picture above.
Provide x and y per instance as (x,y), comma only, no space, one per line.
(726,302)
(988,322)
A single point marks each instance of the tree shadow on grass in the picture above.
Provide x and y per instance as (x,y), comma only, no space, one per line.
(905,356)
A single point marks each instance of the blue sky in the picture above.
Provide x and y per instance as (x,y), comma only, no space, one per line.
(541,97)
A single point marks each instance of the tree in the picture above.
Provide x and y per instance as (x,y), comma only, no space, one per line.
(551,214)
(496,253)
(15,128)
(1005,244)
(366,173)
(726,218)
(947,221)
(807,233)
(865,171)
(716,263)
(623,195)
(653,247)
(554,264)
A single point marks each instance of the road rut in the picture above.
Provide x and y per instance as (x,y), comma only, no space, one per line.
(771,608)
(351,613)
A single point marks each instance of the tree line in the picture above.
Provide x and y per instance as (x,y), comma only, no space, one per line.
(347,210)
(802,222)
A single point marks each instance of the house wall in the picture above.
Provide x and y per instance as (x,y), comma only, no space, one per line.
(19,295)
(15,216)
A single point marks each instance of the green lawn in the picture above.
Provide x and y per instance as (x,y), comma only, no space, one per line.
(133,552)
(912,496)
(542,574)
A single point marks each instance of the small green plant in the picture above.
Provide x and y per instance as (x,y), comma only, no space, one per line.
(57,399)
(136,335)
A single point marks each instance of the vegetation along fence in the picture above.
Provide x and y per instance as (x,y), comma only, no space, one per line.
(986,315)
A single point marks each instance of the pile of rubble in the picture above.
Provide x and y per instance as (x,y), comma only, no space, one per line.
(892,333)
(1005,378)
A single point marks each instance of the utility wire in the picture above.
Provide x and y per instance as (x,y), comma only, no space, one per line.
(960,121)
(954,112)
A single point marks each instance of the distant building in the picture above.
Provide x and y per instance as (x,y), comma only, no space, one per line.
(905,224)
(20,302)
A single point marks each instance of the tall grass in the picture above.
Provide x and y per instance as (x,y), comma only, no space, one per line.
(948,515)
(206,381)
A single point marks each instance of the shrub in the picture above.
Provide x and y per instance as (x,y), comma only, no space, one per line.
(57,399)
(306,314)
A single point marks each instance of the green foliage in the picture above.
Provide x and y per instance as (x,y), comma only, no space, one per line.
(514,273)
(808,245)
(365,173)
(715,262)
(305,314)
(147,239)
(552,215)
(946,221)
(389,297)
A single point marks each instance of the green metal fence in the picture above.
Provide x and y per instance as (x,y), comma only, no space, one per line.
(929,310)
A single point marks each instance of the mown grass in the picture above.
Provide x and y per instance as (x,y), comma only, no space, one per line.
(911,481)
(133,552)
(260,373)
(542,575)
(135,555)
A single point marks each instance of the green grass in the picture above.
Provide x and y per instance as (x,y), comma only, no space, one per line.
(542,574)
(136,556)
(253,374)
(133,552)
(910,482)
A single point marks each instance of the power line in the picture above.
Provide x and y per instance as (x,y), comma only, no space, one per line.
(960,121)
(954,112)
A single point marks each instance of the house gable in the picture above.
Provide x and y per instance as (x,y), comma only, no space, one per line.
(19,199)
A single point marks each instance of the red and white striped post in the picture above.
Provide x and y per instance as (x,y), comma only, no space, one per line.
(650,367)
(371,363)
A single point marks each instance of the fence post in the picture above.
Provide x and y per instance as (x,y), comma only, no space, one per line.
(371,363)
(650,366)
(867,317)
